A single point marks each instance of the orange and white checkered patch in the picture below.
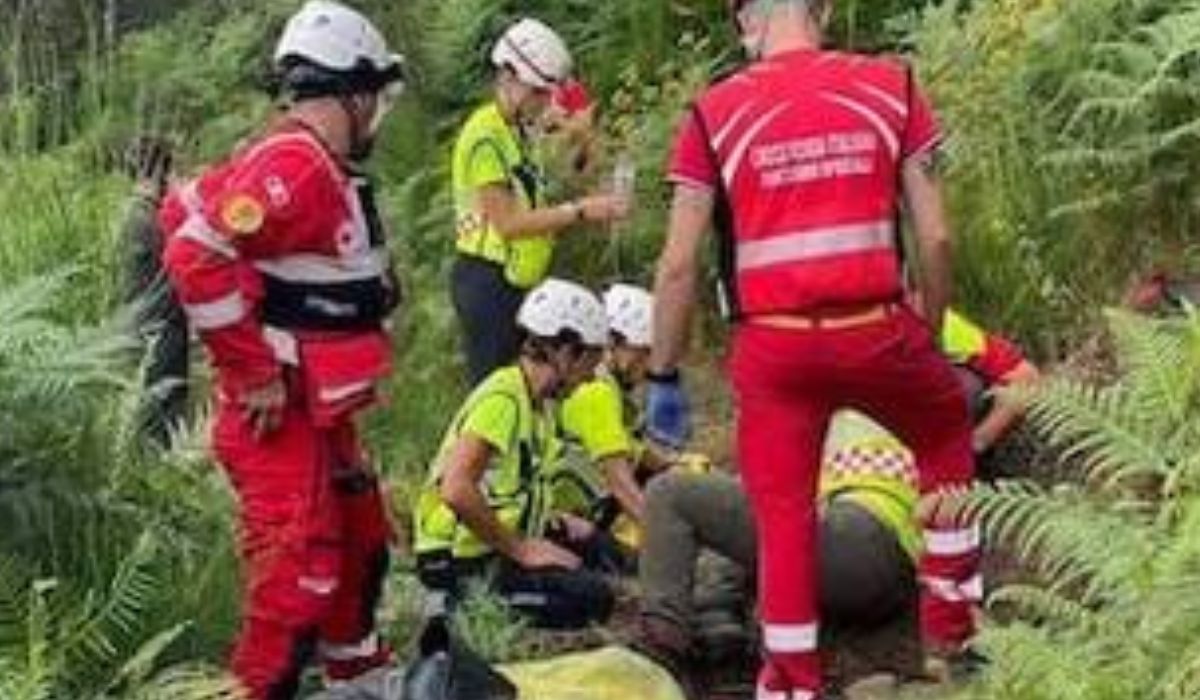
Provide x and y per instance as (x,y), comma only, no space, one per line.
(886,460)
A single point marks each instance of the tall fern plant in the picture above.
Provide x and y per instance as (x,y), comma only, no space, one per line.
(108,566)
(59,642)
(1109,610)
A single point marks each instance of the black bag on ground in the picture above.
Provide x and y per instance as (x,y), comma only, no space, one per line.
(447,669)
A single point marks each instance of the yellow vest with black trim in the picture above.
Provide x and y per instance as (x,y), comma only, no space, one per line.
(489,152)
(523,443)
(594,428)
(598,421)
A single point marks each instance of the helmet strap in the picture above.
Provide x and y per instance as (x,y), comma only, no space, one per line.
(362,141)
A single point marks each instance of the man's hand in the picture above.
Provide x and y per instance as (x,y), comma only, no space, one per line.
(603,208)
(575,528)
(262,407)
(535,553)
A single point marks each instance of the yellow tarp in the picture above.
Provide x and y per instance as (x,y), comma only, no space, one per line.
(611,673)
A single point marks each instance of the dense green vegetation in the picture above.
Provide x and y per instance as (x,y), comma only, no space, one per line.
(1072,125)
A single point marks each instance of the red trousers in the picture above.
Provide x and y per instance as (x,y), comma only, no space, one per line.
(788,383)
(314,547)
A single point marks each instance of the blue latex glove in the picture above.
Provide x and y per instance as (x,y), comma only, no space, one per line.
(668,415)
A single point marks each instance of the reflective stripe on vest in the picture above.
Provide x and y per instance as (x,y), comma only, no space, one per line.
(853,251)
(815,244)
(214,315)
(196,228)
(346,292)
(310,291)
(524,260)
(319,269)
(514,486)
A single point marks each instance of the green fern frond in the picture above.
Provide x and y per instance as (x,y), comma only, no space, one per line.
(1037,603)
(1101,427)
(192,682)
(1155,356)
(97,630)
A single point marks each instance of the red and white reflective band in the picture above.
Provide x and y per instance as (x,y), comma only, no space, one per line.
(320,269)
(893,102)
(368,648)
(284,345)
(732,164)
(196,228)
(214,315)
(342,392)
(877,121)
(766,694)
(951,543)
(969,591)
(322,586)
(814,244)
(790,639)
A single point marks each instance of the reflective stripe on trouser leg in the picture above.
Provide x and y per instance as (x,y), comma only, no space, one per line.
(774,684)
(349,645)
(934,424)
(766,694)
(366,648)
(969,591)
(950,584)
(780,434)
(289,546)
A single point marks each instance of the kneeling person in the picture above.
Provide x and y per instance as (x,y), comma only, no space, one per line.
(869,540)
(483,514)
(607,461)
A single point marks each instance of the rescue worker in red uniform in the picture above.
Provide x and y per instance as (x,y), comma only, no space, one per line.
(277,256)
(802,156)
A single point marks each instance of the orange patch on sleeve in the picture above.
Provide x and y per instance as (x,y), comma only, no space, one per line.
(243,215)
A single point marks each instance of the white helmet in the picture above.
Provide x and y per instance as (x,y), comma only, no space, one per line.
(535,52)
(347,51)
(557,305)
(630,312)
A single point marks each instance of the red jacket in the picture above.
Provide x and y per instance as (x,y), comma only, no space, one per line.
(278,258)
(807,147)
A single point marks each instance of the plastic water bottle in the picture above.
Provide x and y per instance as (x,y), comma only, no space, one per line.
(624,182)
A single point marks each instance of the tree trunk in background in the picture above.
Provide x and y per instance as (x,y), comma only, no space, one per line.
(110,24)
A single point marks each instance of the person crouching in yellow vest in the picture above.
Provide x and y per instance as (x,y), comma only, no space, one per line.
(505,230)
(870,541)
(606,463)
(483,514)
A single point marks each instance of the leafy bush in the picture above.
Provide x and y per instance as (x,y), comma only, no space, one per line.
(1071,126)
(1113,549)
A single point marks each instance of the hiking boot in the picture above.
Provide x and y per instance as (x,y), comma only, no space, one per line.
(669,644)
(385,683)
(955,667)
